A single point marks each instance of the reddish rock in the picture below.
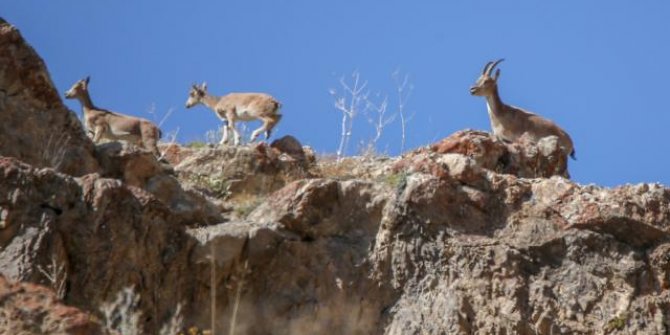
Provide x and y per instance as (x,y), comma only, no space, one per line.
(32,309)
(421,163)
(174,153)
(523,159)
(481,146)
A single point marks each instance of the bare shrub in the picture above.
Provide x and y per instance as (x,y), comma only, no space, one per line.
(56,274)
(213,137)
(376,114)
(354,99)
(350,103)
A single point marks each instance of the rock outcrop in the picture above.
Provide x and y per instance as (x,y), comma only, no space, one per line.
(105,236)
(35,125)
(37,128)
(29,309)
(519,256)
(301,261)
(470,235)
(139,168)
(238,174)
(484,151)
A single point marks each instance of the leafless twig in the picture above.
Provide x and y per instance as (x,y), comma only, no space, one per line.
(404,89)
(166,116)
(240,285)
(376,116)
(154,115)
(57,276)
(350,104)
(171,140)
(212,283)
(213,137)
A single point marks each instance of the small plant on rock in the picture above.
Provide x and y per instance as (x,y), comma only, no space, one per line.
(396,180)
(196,145)
(217,187)
(616,323)
(57,276)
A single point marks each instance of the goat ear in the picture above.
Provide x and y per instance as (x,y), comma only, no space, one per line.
(496,75)
(87,79)
(203,86)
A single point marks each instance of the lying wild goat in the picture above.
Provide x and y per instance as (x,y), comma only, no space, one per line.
(104,124)
(235,107)
(510,123)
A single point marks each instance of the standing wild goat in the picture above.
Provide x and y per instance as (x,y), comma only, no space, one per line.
(510,123)
(114,126)
(235,107)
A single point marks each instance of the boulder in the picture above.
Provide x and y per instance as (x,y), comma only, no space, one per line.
(228,172)
(139,168)
(30,309)
(522,158)
(289,146)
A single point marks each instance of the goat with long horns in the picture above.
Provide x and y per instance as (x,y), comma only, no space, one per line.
(509,123)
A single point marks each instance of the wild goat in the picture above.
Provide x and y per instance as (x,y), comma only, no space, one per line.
(235,107)
(510,123)
(104,124)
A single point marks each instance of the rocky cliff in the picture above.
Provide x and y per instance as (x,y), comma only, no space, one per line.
(467,236)
(35,125)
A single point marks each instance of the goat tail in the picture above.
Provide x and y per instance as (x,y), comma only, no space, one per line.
(274,121)
(573,154)
(278,106)
(278,115)
(159,133)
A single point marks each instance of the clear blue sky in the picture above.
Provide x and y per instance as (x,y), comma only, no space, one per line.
(599,69)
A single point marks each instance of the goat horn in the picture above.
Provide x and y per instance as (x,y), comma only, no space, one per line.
(494,65)
(486,67)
